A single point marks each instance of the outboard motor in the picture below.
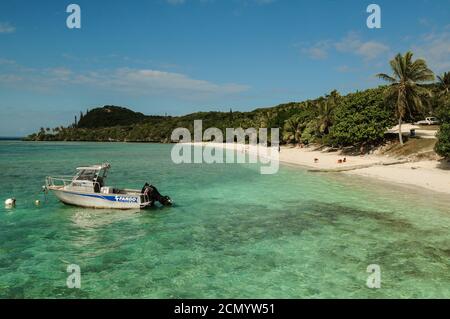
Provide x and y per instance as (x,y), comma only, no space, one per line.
(154,195)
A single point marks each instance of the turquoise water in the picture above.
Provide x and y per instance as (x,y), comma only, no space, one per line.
(233,233)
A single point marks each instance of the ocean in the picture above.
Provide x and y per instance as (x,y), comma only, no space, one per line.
(232,233)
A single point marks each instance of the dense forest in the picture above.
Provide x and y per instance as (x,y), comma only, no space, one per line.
(357,119)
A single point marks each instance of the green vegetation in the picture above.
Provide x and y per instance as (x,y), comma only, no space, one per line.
(293,129)
(109,116)
(362,118)
(444,84)
(443,144)
(357,119)
(405,91)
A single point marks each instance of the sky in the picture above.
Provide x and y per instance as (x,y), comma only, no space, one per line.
(181,56)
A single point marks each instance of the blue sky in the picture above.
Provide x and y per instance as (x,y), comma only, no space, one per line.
(177,57)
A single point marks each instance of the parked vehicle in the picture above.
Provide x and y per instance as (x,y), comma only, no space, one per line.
(428,121)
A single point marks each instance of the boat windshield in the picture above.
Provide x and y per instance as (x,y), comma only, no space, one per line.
(86,175)
(94,173)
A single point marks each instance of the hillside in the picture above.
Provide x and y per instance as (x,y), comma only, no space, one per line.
(109,116)
(358,120)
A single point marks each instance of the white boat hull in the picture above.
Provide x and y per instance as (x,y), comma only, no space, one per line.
(97,200)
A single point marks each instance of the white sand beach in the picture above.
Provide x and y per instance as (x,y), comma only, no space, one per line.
(426,174)
(432,175)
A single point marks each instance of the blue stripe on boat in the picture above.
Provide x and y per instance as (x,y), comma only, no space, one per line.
(115,198)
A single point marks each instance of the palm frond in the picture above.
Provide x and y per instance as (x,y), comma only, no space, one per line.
(386,77)
(405,91)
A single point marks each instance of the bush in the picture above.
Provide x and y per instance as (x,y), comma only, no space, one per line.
(362,117)
(443,144)
(308,134)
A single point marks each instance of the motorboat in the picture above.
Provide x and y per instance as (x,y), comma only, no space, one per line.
(88,189)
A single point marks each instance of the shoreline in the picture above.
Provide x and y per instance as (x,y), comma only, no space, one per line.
(427,174)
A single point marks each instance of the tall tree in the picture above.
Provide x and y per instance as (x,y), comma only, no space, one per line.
(293,129)
(326,115)
(266,119)
(444,83)
(405,90)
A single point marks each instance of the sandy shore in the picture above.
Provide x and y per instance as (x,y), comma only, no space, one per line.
(431,175)
(426,174)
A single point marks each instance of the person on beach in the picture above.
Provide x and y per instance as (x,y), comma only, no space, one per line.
(362,150)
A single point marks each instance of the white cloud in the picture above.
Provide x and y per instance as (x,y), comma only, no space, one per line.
(343,69)
(424,22)
(369,50)
(61,74)
(10,78)
(7,61)
(319,51)
(5,27)
(434,47)
(144,82)
(352,43)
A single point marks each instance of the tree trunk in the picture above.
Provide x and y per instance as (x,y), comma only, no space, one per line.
(400,137)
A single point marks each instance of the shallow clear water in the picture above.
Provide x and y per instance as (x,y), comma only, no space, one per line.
(233,233)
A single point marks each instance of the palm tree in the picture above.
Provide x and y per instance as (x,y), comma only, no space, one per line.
(326,116)
(405,90)
(334,97)
(266,119)
(444,83)
(293,129)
